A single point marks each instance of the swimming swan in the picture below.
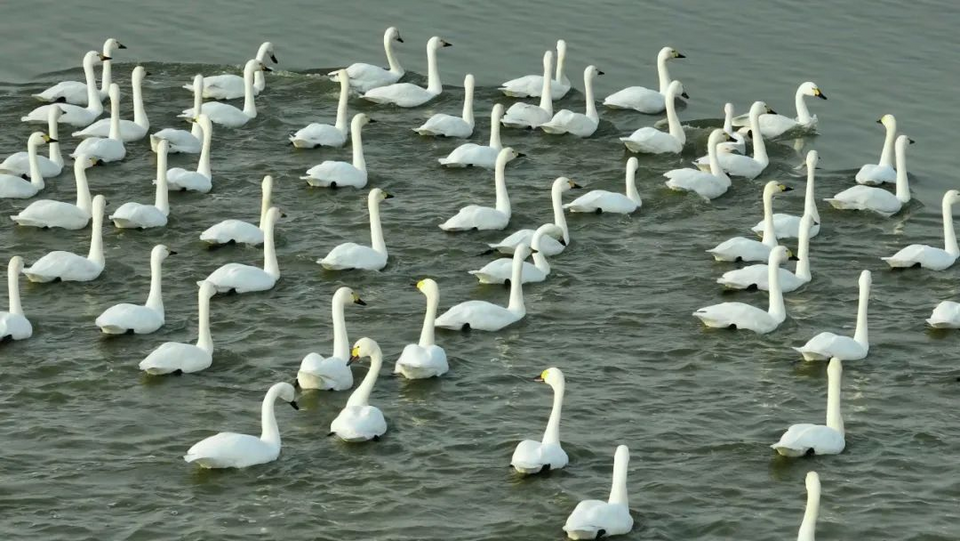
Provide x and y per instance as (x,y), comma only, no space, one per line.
(75,92)
(593,519)
(336,174)
(499,271)
(527,115)
(649,140)
(350,255)
(930,257)
(16,187)
(50,213)
(358,420)
(744,249)
(827,345)
(247,278)
(877,199)
(132,215)
(316,134)
(75,115)
(787,226)
(364,77)
(808,527)
(228,115)
(331,373)
(581,125)
(600,201)
(136,318)
(238,231)
(453,126)
(874,174)
(180,358)
(19,162)
(809,439)
(708,185)
(424,359)
(548,245)
(946,315)
(106,149)
(487,218)
(201,180)
(472,154)
(70,267)
(758,275)
(129,130)
(409,94)
(183,141)
(228,86)
(736,144)
(773,125)
(740,165)
(533,456)
(644,99)
(532,86)
(13,323)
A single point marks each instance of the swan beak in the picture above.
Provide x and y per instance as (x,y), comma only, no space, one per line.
(680,55)
(729,137)
(399,39)
(538,379)
(296,383)
(562,242)
(293,404)
(600,72)
(445,43)
(685,95)
(353,359)
(520,154)
(819,94)
(575,186)
(534,251)
(171,252)
(25,177)
(784,188)
(63,99)
(359,301)
(879,121)
(387,195)
(771,111)
(104,57)
(121,46)
(912,141)
(793,258)
(265,67)
(371,120)
(273,58)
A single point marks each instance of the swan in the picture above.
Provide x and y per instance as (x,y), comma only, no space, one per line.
(453,126)
(498,271)
(350,255)
(808,528)
(130,131)
(773,125)
(331,373)
(877,199)
(593,519)
(803,439)
(140,319)
(757,275)
(201,180)
(70,267)
(335,174)
(324,135)
(644,99)
(945,316)
(472,154)
(238,231)
(358,420)
(874,174)
(581,125)
(527,115)
(247,278)
(600,201)
(232,450)
(19,162)
(787,226)
(75,92)
(50,213)
(364,77)
(180,358)
(227,115)
(744,249)
(827,345)
(739,165)
(409,94)
(533,456)
(424,359)
(737,315)
(13,324)
(133,215)
(708,185)
(228,86)
(486,316)
(106,149)
(930,257)
(487,218)
(532,86)
(183,141)
(548,245)
(16,187)
(75,115)
(737,143)
(650,140)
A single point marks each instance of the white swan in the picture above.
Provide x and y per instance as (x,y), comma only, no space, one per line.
(424,359)
(758,275)
(579,124)
(130,130)
(486,316)
(600,201)
(808,527)
(644,99)
(548,245)
(70,267)
(228,86)
(19,162)
(350,255)
(593,519)
(533,456)
(736,144)
(827,345)
(946,315)
(14,325)
(140,318)
(877,199)
(232,450)
(499,271)
(75,115)
(527,115)
(737,315)
(180,358)
(487,218)
(106,149)
(247,278)
(50,213)
(708,185)
(201,180)
(744,249)
(316,134)
(336,174)
(650,140)
(183,141)
(227,115)
(238,231)
(16,187)
(809,439)
(874,174)
(132,215)
(358,420)
(331,373)
(364,77)
(773,125)
(787,226)
(449,125)
(75,92)
(472,154)
(532,86)
(739,165)
(409,94)
(930,257)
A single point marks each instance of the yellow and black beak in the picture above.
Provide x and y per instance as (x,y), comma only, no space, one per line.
(265,67)
(358,300)
(678,54)
(103,57)
(819,94)
(538,379)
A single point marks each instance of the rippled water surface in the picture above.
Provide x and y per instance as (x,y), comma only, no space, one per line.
(91,449)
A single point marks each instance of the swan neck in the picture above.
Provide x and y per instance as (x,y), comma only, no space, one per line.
(546,97)
(776,308)
(427,332)
(540,261)
(93,94)
(270,265)
(266,199)
(516,285)
(84,201)
(204,340)
(361,397)
(249,100)
(715,168)
(139,113)
(809,198)
(759,147)
(591,105)
(196,130)
(500,182)
(727,122)
(161,199)
(155,298)
(376,230)
(552,433)
(115,119)
(13,290)
(673,121)
(356,141)
(269,432)
(631,188)
(949,234)
(559,218)
(808,527)
(862,334)
(36,178)
(561,60)
(495,133)
(96,239)
(259,80)
(341,123)
(769,231)
(53,129)
(341,343)
(392,59)
(834,416)
(664,74)
(204,166)
(887,154)
(433,73)
(468,106)
(803,254)
(618,490)
(803,114)
(903,184)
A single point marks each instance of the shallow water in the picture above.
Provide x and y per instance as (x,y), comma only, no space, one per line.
(91,448)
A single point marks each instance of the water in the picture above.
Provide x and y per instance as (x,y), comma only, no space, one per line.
(92,448)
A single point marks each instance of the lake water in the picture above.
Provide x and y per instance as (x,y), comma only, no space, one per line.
(92,448)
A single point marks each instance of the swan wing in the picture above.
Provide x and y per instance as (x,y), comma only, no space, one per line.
(241,278)
(334,173)
(232,231)
(786,226)
(525,115)
(350,255)
(591,516)
(64,265)
(47,213)
(231,450)
(476,217)
(331,373)
(74,92)
(194,181)
(446,125)
(19,164)
(471,154)
(16,326)
(736,314)
(567,121)
(359,423)
(801,439)
(706,185)
(223,114)
(945,316)
(740,249)
(866,198)
(509,244)
(172,356)
(106,150)
(604,201)
(652,141)
(873,174)
(318,135)
(637,98)
(827,345)
(181,141)
(479,315)
(927,257)
(131,215)
(400,94)
(422,362)
(758,276)
(364,77)
(121,318)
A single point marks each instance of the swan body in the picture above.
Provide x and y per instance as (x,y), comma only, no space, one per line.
(227,115)
(930,257)
(247,278)
(772,125)
(532,86)
(650,140)
(19,162)
(130,130)
(828,345)
(945,316)
(132,215)
(499,271)
(136,318)
(409,94)
(787,226)
(874,174)
(610,202)
(485,316)
(592,519)
(643,99)
(183,141)
(579,124)
(533,456)
(364,77)
(472,154)
(177,357)
(106,149)
(744,249)
(350,255)
(739,165)
(358,420)
(708,185)
(70,267)
(736,144)
(75,115)
(334,174)
(15,187)
(49,213)
(228,86)
(13,323)
(75,92)
(877,199)
(549,245)
(802,439)
(758,275)
(527,115)
(200,180)
(487,218)
(424,359)
(331,373)
(325,135)
(238,231)
(453,126)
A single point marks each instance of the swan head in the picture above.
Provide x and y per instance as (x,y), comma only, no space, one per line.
(675,89)
(54,115)
(198,82)
(139,73)
(114,93)
(888,121)
(392,34)
(866,279)
(112,45)
(812,483)
(16,265)
(951,197)
(806,223)
(92,58)
(590,72)
(546,229)
(835,368)
(728,110)
(773,187)
(779,256)
(563,184)
(561,48)
(204,122)
(82,162)
(902,142)
(377,195)
(522,251)
(669,53)
(496,113)
(160,252)
(813,158)
(507,154)
(266,49)
(551,376)
(811,89)
(363,348)
(207,290)
(428,287)
(359,120)
(287,393)
(633,164)
(718,136)
(548,61)
(38,138)
(266,186)
(252,66)
(273,215)
(758,108)
(99,203)
(344,295)
(468,83)
(436,43)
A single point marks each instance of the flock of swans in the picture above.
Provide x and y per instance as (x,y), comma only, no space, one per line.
(80,104)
